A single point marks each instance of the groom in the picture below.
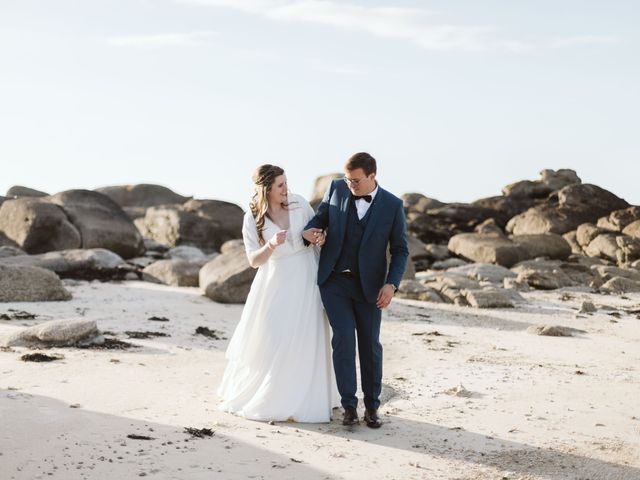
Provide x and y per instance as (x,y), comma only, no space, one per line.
(355,222)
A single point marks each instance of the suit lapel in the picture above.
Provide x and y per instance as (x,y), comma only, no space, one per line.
(344,215)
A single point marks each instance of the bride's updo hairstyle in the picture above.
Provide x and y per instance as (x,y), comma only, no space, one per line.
(263,178)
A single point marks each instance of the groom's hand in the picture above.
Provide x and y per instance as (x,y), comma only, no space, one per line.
(314,236)
(385,296)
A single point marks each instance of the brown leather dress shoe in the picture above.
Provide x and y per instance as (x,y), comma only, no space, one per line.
(350,416)
(372,419)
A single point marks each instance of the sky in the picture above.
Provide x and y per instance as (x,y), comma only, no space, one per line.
(455,99)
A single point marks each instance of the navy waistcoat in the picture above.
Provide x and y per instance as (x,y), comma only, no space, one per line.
(348,259)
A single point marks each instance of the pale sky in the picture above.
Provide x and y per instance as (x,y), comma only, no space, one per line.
(455,99)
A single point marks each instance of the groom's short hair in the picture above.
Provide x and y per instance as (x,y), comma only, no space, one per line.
(362,160)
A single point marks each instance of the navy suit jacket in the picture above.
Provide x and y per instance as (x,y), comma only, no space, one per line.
(386,227)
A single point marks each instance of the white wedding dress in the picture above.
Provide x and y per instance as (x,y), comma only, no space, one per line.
(279,358)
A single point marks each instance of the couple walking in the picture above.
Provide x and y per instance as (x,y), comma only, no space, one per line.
(279,365)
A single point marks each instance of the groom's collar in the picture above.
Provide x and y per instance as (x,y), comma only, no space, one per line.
(373,192)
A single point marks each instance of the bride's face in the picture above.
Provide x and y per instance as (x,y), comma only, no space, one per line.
(279,190)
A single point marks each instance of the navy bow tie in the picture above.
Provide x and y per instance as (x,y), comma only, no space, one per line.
(366,198)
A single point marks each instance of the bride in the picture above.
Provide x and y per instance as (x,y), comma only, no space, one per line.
(279,358)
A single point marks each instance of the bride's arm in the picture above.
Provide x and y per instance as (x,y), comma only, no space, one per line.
(257,254)
(259,257)
(320,219)
(309,215)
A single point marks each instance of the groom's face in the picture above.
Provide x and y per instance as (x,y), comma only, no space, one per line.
(358,181)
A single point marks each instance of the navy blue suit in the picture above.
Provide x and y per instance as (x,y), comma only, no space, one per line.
(350,300)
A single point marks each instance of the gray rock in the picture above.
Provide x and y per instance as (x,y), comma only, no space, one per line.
(526,188)
(141,262)
(414,290)
(550,181)
(20,191)
(487,249)
(542,274)
(450,287)
(515,285)
(488,298)
(448,263)
(558,179)
(30,284)
(547,245)
(618,285)
(489,227)
(36,225)
(607,272)
(586,232)
(141,225)
(438,225)
(453,281)
(142,195)
(150,244)
(603,246)
(416,202)
(618,220)
(205,224)
(101,222)
(56,333)
(227,278)
(543,280)
(89,264)
(7,251)
(6,241)
(232,246)
(587,261)
(501,208)
(409,271)
(437,252)
(587,307)
(633,229)
(572,239)
(629,248)
(135,212)
(186,252)
(578,273)
(417,248)
(566,210)
(486,272)
(553,330)
(320,187)
(460,391)
(176,272)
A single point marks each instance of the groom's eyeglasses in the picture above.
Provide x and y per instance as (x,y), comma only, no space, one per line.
(353,181)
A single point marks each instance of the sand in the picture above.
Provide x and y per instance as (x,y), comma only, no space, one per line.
(468,394)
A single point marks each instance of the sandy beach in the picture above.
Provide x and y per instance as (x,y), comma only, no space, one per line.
(468,394)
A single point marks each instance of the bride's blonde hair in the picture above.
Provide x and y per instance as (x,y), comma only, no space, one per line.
(263,178)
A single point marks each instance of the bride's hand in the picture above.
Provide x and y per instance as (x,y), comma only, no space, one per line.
(320,239)
(278,239)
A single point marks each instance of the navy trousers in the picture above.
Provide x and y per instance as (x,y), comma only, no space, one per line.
(351,317)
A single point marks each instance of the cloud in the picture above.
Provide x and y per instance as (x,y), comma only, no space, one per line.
(191,39)
(417,25)
(326,67)
(413,24)
(585,40)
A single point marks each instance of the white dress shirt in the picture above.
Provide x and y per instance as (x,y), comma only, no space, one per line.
(362,206)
